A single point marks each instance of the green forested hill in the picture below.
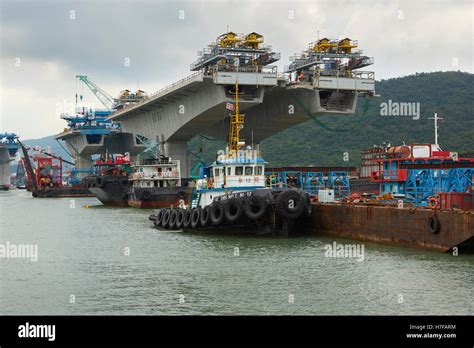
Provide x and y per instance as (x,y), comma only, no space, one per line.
(450,94)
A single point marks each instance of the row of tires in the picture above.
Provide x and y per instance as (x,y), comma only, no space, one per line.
(288,204)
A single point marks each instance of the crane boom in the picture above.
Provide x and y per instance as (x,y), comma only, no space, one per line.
(106,99)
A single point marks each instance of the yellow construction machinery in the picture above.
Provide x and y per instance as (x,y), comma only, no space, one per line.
(252,40)
(346,45)
(324,45)
(229,39)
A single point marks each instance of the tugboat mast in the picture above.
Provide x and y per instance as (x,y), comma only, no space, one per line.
(236,124)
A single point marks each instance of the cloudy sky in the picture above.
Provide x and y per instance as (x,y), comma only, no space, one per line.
(44,44)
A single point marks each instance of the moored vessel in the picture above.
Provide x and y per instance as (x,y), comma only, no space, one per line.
(109,184)
(232,196)
(156,183)
(148,183)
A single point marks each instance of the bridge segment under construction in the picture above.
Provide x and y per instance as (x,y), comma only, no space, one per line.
(324,79)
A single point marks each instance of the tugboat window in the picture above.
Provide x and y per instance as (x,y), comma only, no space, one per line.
(239,170)
(258,170)
(228,171)
(248,170)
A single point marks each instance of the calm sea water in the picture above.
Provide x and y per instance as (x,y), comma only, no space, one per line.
(112,261)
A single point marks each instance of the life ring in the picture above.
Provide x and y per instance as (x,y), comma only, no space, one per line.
(187,218)
(179,218)
(146,195)
(233,209)
(159,217)
(173,216)
(433,202)
(115,181)
(99,181)
(434,225)
(217,213)
(206,216)
(195,217)
(290,204)
(166,218)
(255,207)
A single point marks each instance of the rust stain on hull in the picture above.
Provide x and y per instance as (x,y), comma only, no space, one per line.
(390,225)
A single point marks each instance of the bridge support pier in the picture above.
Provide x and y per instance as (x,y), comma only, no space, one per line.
(5,172)
(178,150)
(83,146)
(83,165)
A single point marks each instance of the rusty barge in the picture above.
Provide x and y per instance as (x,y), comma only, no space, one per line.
(408,226)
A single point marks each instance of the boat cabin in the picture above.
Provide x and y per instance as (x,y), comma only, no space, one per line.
(231,174)
(156,173)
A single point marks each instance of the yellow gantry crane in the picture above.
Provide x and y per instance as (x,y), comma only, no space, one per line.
(236,124)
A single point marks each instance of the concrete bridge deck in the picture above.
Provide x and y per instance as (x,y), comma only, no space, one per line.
(197,105)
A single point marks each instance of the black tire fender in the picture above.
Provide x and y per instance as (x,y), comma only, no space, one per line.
(290,204)
(159,217)
(217,213)
(99,181)
(179,218)
(124,183)
(233,209)
(433,224)
(173,216)
(146,195)
(196,217)
(206,216)
(187,218)
(255,207)
(166,218)
(308,207)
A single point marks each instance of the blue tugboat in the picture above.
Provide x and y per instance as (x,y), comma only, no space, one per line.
(233,194)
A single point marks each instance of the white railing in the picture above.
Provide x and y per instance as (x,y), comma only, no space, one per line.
(183,81)
(270,69)
(158,175)
(165,89)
